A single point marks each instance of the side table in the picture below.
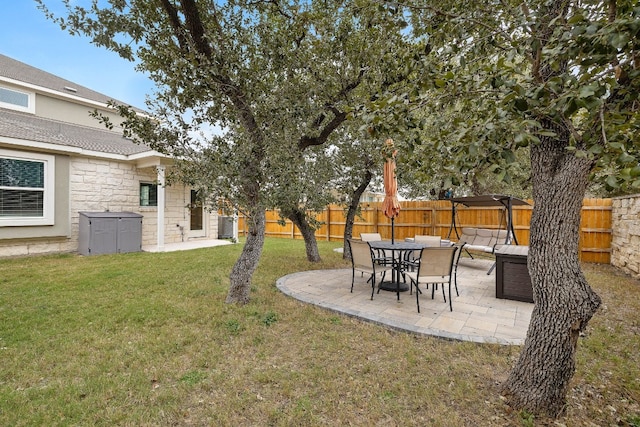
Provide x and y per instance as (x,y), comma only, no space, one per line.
(512,277)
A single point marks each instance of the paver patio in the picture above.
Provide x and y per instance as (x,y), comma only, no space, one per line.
(477,316)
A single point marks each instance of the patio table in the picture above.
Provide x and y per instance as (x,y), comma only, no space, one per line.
(401,248)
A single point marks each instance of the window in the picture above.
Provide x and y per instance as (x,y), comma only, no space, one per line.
(16,100)
(26,189)
(148,194)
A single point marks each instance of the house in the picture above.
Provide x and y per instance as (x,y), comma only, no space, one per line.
(56,162)
(371,197)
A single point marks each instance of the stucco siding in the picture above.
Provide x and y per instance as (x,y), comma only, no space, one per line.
(64,111)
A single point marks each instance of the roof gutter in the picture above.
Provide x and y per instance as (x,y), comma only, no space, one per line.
(63,95)
(140,158)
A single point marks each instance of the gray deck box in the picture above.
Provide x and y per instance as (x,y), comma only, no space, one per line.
(109,233)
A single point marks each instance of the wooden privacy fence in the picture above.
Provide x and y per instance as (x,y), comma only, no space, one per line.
(434,217)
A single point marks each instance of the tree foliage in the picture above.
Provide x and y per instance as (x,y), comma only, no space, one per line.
(583,77)
(279,79)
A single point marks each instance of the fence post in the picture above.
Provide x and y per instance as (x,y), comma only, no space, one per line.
(328,222)
(375,219)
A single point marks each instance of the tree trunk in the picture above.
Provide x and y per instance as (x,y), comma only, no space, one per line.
(299,219)
(564,302)
(353,211)
(247,262)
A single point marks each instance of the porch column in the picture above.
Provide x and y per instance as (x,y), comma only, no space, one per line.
(235,226)
(160,227)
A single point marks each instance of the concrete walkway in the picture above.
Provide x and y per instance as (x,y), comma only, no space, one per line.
(477,315)
(189,244)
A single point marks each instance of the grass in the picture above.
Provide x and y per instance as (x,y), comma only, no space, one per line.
(146,339)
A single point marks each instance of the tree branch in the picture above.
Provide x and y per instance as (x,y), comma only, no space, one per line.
(198,39)
(195,27)
(450,15)
(307,141)
(338,116)
(275,4)
(175,24)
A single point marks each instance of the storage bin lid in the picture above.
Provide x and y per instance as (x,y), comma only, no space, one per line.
(512,250)
(111,214)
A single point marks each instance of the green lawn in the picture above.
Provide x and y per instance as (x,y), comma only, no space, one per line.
(146,339)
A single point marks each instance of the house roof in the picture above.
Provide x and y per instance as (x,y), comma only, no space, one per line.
(17,126)
(24,126)
(21,72)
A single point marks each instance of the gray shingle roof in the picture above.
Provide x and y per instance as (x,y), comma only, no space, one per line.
(22,72)
(26,126)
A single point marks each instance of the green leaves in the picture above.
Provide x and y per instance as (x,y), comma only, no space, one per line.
(619,40)
(506,76)
(509,156)
(612,181)
(521,104)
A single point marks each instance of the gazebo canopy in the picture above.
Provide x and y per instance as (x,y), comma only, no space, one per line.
(489,200)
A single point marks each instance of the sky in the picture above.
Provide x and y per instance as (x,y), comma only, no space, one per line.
(28,36)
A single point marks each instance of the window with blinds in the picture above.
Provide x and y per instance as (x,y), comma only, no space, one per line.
(21,188)
(26,189)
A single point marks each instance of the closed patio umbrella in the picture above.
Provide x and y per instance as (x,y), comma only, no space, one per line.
(390,204)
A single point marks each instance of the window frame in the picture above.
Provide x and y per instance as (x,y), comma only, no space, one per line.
(48,202)
(149,185)
(31,105)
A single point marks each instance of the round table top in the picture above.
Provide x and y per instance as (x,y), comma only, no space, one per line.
(397,245)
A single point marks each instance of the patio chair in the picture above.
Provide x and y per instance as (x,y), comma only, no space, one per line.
(363,260)
(370,237)
(411,259)
(459,247)
(383,257)
(429,240)
(435,266)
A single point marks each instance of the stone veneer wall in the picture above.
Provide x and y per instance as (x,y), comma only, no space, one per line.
(97,185)
(625,243)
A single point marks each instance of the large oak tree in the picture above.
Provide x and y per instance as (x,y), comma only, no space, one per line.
(562,78)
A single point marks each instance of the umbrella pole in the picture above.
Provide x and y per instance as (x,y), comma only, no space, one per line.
(392,237)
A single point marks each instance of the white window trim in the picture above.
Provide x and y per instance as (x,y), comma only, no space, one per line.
(48,214)
(31,104)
